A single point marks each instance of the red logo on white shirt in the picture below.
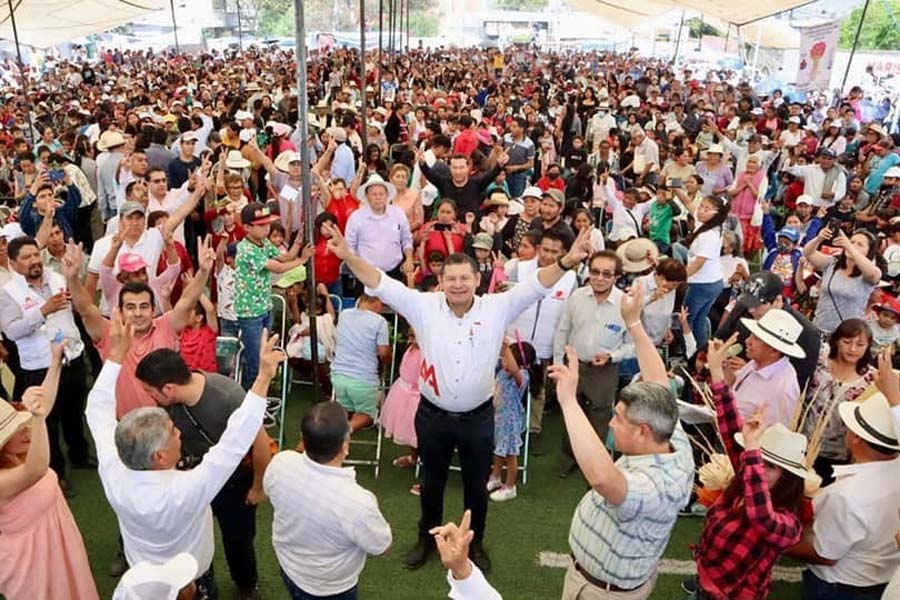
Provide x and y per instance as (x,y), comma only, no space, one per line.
(428,375)
(29,303)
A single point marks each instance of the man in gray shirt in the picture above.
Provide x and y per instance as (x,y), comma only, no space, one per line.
(200,405)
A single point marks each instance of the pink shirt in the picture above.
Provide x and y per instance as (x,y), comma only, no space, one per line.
(129,393)
(775,385)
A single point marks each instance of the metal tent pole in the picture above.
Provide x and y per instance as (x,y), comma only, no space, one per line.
(380,46)
(12,18)
(240,28)
(391,19)
(859,27)
(306,184)
(678,39)
(407,24)
(174,27)
(362,72)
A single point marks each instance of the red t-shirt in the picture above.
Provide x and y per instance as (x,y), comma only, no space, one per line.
(328,265)
(466,142)
(187,265)
(545,183)
(342,208)
(198,348)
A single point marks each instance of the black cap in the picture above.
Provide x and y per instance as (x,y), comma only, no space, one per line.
(761,288)
(827,153)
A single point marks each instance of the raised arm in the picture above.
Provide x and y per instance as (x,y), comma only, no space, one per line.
(811,249)
(182,311)
(870,271)
(39,402)
(593,459)
(652,368)
(581,249)
(188,206)
(94,322)
(727,414)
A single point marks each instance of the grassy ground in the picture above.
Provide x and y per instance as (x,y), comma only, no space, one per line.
(536,521)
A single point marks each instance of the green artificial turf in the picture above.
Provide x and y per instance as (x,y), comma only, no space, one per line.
(538,520)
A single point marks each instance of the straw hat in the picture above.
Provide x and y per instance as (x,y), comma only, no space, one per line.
(871,420)
(634,254)
(376,180)
(11,421)
(716,149)
(234,160)
(110,139)
(778,329)
(784,448)
(283,161)
(497,198)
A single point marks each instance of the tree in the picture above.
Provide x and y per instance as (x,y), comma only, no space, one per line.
(880,31)
(698,27)
(520,4)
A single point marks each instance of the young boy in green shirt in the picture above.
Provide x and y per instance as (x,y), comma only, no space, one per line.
(256,259)
(662,212)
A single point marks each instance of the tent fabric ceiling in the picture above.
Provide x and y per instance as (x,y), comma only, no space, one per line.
(737,12)
(635,16)
(44,23)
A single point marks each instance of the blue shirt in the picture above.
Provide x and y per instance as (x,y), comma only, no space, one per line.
(343,165)
(30,219)
(359,333)
(879,168)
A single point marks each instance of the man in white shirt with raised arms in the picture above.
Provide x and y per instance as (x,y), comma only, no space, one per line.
(460,336)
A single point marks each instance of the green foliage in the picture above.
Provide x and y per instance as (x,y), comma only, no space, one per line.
(879,31)
(521,4)
(699,27)
(423,24)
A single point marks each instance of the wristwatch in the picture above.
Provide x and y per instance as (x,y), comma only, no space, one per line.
(560,264)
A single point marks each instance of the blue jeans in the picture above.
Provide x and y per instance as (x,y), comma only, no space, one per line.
(680,252)
(228,328)
(699,299)
(517,182)
(298,594)
(816,589)
(251,335)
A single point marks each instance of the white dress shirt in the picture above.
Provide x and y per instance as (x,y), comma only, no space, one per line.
(855,523)
(162,513)
(657,315)
(459,354)
(324,524)
(537,323)
(473,587)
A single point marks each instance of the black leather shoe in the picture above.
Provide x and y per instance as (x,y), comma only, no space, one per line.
(118,566)
(478,556)
(535,447)
(418,556)
(567,469)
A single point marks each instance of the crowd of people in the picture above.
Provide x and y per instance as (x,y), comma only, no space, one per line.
(584,231)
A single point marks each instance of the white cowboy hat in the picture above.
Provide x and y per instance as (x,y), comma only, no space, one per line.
(284,160)
(375,180)
(634,255)
(716,149)
(243,115)
(11,421)
(784,448)
(146,581)
(778,329)
(234,160)
(532,192)
(871,420)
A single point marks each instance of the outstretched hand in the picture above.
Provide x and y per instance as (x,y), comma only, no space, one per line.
(754,427)
(270,355)
(580,250)
(632,303)
(121,334)
(888,380)
(336,243)
(453,544)
(716,352)
(566,377)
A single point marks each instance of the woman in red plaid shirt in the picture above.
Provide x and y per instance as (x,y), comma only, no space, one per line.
(757,518)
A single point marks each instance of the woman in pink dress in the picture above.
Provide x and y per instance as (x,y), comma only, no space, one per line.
(42,554)
(399,412)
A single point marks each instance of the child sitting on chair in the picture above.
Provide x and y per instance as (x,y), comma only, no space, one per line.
(362,343)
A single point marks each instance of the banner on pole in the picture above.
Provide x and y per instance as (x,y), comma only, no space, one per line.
(817,48)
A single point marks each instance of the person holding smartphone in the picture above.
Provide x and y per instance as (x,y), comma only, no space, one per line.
(42,196)
(847,279)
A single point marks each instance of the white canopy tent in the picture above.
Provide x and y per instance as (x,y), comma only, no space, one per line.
(44,23)
(737,12)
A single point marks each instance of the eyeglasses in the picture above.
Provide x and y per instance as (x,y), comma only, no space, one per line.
(603,274)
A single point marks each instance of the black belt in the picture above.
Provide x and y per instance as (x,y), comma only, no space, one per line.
(457,415)
(599,582)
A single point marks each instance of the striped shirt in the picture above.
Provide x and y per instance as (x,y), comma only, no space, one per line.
(622,544)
